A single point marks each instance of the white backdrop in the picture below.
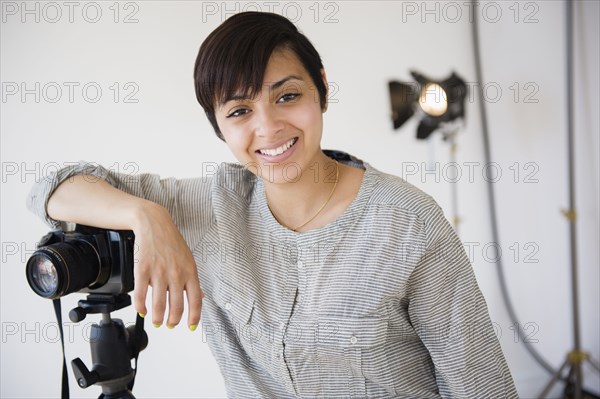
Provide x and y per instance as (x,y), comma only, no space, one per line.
(111,82)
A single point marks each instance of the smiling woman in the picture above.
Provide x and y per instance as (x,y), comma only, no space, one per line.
(368,294)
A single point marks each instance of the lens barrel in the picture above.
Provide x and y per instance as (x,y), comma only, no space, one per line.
(62,268)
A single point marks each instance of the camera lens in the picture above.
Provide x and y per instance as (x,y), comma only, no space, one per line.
(44,278)
(61,268)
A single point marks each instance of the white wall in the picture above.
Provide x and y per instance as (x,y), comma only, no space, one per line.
(363,45)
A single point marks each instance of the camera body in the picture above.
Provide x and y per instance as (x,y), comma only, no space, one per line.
(86,260)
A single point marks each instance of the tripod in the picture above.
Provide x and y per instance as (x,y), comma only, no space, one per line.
(575,360)
(576,357)
(112,346)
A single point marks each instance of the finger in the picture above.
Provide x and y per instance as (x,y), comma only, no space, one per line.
(175,307)
(140,290)
(194,297)
(159,303)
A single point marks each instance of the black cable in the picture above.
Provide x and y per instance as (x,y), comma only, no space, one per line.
(491,196)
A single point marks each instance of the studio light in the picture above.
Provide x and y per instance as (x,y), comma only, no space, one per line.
(434,103)
(438,106)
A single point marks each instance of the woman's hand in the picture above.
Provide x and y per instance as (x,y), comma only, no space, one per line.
(164,262)
(163,259)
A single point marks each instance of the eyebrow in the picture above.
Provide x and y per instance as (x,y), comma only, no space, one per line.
(274,86)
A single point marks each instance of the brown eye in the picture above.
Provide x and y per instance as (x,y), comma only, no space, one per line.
(288,97)
(238,112)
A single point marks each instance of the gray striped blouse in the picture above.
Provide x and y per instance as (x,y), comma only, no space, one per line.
(382,302)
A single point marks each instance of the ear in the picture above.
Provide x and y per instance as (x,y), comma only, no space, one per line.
(324,77)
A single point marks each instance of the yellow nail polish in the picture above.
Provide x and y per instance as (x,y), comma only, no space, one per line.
(170,327)
(193,327)
(142,315)
(156,325)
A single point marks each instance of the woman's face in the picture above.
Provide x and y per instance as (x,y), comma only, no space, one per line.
(277,134)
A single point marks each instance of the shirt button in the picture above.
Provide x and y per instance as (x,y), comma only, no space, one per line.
(281,326)
(353,340)
(300,264)
(228,306)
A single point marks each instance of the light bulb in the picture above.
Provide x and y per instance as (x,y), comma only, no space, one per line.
(433,100)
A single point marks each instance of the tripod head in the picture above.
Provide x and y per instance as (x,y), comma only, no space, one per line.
(112,346)
(98,303)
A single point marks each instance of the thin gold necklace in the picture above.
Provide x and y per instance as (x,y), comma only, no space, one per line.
(337,178)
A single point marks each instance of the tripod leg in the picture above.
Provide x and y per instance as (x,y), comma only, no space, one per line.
(579,380)
(593,363)
(573,386)
(551,383)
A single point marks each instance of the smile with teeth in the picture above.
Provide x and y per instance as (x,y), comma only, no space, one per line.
(279,150)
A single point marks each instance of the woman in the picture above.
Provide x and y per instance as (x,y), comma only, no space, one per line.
(321,276)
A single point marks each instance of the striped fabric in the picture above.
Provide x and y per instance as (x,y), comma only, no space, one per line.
(381,303)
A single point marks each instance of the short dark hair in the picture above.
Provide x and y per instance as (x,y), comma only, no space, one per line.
(235,55)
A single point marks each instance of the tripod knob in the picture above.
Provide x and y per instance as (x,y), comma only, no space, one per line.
(84,377)
(78,314)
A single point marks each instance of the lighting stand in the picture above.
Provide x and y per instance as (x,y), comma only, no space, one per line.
(454,196)
(576,357)
(448,130)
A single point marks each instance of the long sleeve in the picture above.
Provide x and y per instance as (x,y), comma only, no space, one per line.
(187,200)
(450,316)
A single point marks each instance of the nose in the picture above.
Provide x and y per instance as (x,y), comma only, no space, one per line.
(269,121)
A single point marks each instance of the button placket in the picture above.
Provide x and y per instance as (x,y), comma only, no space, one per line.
(285,311)
(303,270)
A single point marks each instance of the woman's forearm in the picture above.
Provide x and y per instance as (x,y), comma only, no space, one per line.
(85,199)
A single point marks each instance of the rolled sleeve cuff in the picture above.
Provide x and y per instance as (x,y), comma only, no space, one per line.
(37,200)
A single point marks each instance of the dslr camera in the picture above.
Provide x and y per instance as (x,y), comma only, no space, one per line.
(86,259)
